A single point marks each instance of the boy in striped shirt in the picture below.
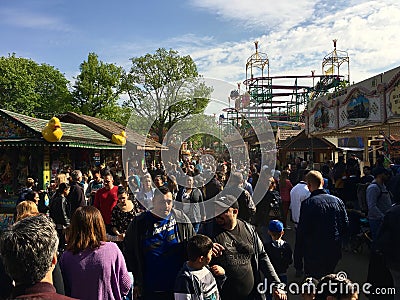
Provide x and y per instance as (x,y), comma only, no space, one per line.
(196,279)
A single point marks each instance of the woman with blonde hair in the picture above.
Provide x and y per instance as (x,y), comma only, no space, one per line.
(52,190)
(60,178)
(146,192)
(92,268)
(26,208)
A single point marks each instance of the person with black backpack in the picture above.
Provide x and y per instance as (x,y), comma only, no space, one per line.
(190,200)
(378,199)
(269,208)
(388,245)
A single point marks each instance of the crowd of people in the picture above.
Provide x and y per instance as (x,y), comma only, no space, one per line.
(153,236)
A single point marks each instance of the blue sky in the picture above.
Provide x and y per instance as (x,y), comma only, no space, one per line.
(62,33)
(218,34)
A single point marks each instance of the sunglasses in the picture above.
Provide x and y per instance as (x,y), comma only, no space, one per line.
(107,181)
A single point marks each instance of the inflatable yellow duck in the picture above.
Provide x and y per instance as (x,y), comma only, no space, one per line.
(119,139)
(52,131)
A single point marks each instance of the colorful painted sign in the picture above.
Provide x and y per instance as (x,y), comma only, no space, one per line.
(370,102)
(322,115)
(6,220)
(360,107)
(392,93)
(9,130)
(394,100)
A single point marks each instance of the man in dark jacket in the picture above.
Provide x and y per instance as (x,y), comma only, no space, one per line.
(322,226)
(246,204)
(155,247)
(212,188)
(76,196)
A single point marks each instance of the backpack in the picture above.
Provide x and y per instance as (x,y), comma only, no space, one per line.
(276,205)
(362,195)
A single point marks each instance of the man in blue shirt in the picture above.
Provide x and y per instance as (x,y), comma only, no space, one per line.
(155,247)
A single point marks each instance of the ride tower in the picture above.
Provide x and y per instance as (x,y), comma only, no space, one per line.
(336,73)
(257,75)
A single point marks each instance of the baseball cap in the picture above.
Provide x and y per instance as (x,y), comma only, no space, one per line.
(275,226)
(225,202)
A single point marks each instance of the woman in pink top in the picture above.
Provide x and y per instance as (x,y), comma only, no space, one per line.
(92,268)
(285,187)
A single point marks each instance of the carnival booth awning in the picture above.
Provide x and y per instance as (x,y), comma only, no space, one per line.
(312,148)
(301,142)
(20,130)
(108,128)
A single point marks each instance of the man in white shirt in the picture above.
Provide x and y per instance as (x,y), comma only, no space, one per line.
(298,194)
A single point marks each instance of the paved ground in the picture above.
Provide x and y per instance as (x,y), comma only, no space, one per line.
(354,265)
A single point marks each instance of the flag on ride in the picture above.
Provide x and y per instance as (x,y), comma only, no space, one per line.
(329,71)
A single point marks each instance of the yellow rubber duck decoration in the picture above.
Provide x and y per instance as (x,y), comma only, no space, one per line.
(52,131)
(119,139)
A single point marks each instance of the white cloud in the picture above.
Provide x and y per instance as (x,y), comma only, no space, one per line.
(367,31)
(267,13)
(29,19)
(191,39)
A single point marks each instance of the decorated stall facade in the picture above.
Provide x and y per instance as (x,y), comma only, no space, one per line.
(366,109)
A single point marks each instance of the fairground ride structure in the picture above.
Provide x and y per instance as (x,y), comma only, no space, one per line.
(273,97)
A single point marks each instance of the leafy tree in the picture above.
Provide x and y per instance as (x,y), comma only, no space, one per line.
(31,88)
(117,114)
(52,87)
(164,88)
(97,87)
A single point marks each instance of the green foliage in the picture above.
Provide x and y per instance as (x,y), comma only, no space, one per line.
(97,87)
(117,114)
(206,142)
(164,88)
(52,88)
(32,89)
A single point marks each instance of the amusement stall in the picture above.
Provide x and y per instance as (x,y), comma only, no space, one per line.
(369,109)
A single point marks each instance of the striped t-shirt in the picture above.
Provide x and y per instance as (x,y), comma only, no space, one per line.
(196,284)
